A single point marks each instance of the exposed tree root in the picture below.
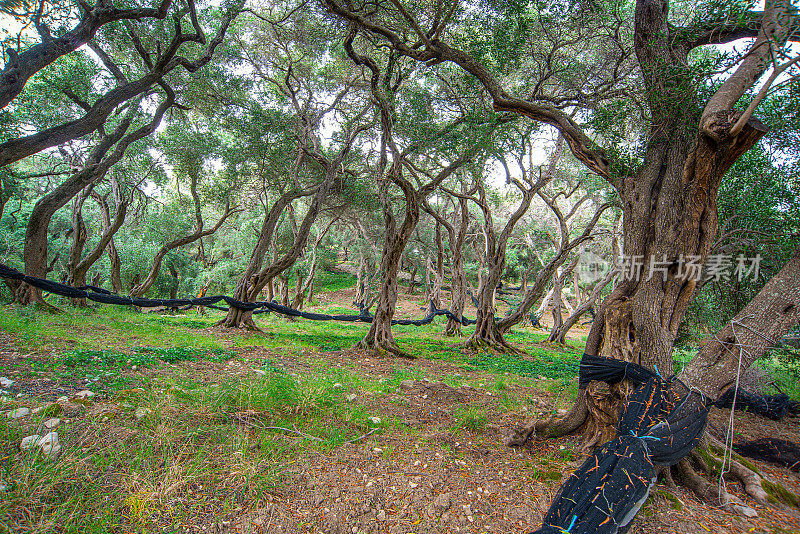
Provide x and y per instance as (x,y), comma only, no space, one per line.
(28,295)
(239,319)
(452,328)
(552,427)
(498,345)
(704,461)
(383,348)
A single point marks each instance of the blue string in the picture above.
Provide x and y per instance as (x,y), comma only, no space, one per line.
(572,524)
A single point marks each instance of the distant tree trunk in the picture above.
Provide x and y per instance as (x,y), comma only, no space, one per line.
(438,272)
(108,229)
(259,277)
(198,233)
(456,244)
(558,287)
(379,337)
(79,236)
(115,266)
(565,246)
(412,280)
(173,290)
(96,166)
(486,334)
(558,335)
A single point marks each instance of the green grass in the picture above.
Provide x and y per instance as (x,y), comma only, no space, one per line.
(327,281)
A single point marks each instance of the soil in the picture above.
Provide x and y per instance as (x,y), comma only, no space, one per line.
(425,474)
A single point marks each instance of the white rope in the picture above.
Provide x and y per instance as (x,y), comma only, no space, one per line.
(727,456)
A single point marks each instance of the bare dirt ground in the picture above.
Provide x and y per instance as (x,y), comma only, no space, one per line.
(422,474)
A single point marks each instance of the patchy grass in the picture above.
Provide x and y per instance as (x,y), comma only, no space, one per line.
(224,424)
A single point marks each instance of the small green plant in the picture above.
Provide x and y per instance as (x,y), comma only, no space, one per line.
(470,418)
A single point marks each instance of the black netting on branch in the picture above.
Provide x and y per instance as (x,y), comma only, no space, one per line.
(611,371)
(772,406)
(607,491)
(106,297)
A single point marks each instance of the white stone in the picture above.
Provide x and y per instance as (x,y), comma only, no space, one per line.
(19,412)
(49,444)
(52,423)
(141,412)
(5,382)
(30,441)
(375,420)
(62,398)
(85,394)
(134,367)
(744,510)
(381,515)
(351,397)
(337,385)
(260,372)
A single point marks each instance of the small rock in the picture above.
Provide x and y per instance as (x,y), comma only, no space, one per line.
(134,367)
(19,412)
(375,420)
(85,394)
(260,372)
(407,384)
(351,397)
(337,385)
(5,382)
(142,412)
(29,442)
(62,398)
(52,423)
(442,501)
(49,444)
(744,510)
(563,411)
(412,485)
(381,515)
(72,409)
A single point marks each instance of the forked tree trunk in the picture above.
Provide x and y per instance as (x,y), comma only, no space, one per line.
(558,335)
(486,334)
(96,166)
(458,293)
(81,266)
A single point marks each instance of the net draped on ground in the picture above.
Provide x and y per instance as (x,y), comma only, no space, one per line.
(104,296)
(655,428)
(772,450)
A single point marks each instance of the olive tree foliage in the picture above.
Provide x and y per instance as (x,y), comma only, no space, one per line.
(110,111)
(293,131)
(698,114)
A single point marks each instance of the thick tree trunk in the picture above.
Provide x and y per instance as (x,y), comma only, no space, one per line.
(674,219)
(379,338)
